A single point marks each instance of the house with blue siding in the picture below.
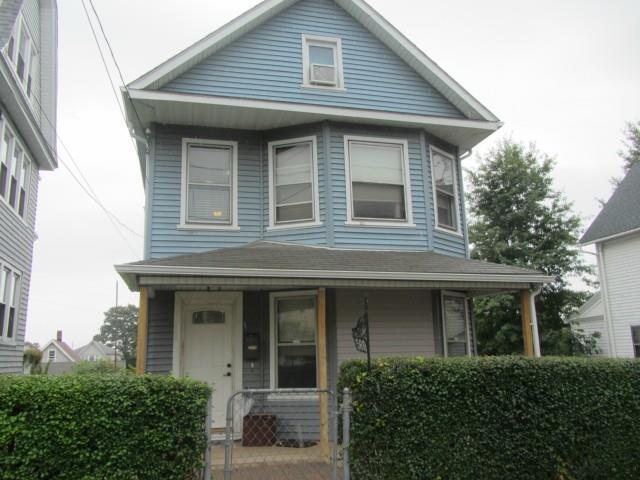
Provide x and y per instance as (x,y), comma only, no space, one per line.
(300,162)
(28,92)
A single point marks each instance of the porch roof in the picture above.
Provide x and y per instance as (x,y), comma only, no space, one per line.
(272,260)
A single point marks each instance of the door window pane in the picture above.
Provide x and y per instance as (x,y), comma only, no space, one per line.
(455,326)
(296,342)
(208,317)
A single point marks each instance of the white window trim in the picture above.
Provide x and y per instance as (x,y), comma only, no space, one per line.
(21,24)
(4,339)
(308,40)
(273,346)
(447,293)
(315,186)
(5,124)
(406,174)
(184,224)
(456,193)
(49,357)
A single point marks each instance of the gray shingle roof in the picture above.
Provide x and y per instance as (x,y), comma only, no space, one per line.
(621,213)
(275,257)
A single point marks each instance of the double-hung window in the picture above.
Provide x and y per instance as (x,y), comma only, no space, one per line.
(293,178)
(455,325)
(445,189)
(9,301)
(14,170)
(52,355)
(635,338)
(209,184)
(322,62)
(294,340)
(23,54)
(378,186)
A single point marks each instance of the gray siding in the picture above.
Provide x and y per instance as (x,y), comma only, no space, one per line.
(160,333)
(256,321)
(400,322)
(16,249)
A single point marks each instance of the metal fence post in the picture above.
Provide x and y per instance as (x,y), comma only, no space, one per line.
(346,430)
(228,439)
(206,474)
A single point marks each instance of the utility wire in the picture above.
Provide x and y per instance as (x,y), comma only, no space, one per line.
(124,84)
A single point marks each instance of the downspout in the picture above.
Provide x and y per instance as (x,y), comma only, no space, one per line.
(534,322)
(605,298)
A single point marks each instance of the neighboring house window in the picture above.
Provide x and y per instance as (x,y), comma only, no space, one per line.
(9,302)
(294,340)
(209,183)
(445,187)
(293,177)
(14,170)
(22,52)
(635,335)
(455,325)
(52,355)
(378,187)
(322,62)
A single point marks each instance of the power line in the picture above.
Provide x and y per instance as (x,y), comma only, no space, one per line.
(124,84)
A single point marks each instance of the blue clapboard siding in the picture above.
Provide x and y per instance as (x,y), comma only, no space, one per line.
(266,64)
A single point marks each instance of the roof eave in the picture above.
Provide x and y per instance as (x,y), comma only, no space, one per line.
(606,238)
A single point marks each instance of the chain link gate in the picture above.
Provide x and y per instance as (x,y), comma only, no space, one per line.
(283,434)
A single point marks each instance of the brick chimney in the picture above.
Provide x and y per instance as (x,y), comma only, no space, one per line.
(59,336)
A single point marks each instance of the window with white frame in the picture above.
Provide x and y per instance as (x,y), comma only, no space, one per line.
(23,54)
(9,301)
(14,170)
(294,341)
(293,180)
(322,62)
(635,337)
(455,325)
(209,185)
(445,189)
(378,180)
(52,355)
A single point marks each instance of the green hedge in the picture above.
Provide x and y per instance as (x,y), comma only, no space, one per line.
(85,427)
(495,418)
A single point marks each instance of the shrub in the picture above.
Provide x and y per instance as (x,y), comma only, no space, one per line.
(495,418)
(89,427)
(99,367)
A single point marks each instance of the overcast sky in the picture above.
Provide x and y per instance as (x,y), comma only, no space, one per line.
(562,73)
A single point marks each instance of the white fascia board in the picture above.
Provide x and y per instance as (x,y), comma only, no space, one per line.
(327,274)
(327,111)
(611,237)
(206,46)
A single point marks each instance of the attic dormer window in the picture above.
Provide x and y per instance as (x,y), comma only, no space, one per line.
(322,62)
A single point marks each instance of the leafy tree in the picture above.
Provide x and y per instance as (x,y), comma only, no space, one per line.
(119,331)
(519,219)
(32,358)
(630,153)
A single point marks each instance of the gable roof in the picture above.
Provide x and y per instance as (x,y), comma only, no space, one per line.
(64,348)
(266,259)
(361,11)
(621,214)
(104,349)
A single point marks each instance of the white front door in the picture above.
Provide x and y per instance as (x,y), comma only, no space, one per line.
(208,352)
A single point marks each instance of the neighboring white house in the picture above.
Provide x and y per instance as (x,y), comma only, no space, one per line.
(590,320)
(616,234)
(94,351)
(60,356)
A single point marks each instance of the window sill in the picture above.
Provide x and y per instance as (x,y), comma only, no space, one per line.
(292,226)
(8,343)
(203,227)
(369,223)
(308,86)
(449,232)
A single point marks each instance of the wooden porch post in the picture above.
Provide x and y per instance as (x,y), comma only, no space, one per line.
(143,320)
(322,372)
(527,333)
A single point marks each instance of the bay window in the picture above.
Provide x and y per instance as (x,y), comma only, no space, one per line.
(209,184)
(293,179)
(9,302)
(15,168)
(377,180)
(294,340)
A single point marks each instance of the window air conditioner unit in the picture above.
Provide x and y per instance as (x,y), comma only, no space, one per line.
(324,75)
